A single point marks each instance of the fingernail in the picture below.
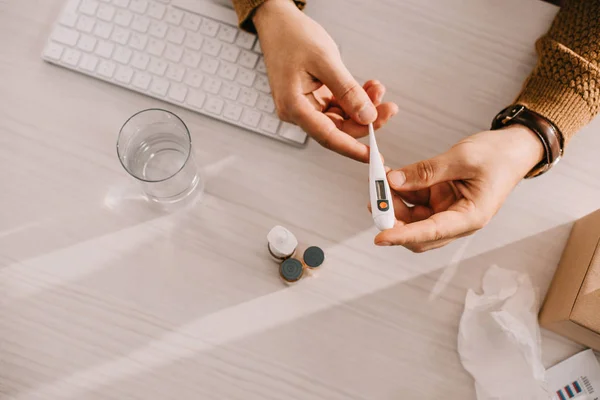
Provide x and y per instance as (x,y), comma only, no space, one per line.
(367,113)
(383,244)
(396,178)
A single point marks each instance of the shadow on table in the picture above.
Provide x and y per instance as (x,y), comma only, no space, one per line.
(75,301)
(248,347)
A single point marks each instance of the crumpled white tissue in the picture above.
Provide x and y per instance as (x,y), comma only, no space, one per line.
(499,338)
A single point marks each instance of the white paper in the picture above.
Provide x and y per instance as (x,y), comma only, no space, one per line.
(575,378)
(499,338)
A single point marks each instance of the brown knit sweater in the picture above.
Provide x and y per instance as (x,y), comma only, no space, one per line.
(245,8)
(565,84)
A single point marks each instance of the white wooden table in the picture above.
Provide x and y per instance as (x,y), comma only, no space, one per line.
(104,297)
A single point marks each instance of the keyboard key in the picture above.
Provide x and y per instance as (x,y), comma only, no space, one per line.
(106,12)
(229,53)
(270,124)
(227,33)
(294,133)
(120,35)
(140,23)
(257,47)
(71,57)
(209,65)
(245,77)
(248,59)
(227,71)
(159,86)
(211,85)
(175,72)
(209,27)
(53,51)
(191,58)
(248,96)
(65,36)
(124,74)
(262,84)
(158,66)
(211,47)
(261,67)
(105,49)
(106,68)
(158,29)
(88,7)
(155,47)
(122,55)
(156,10)
(194,41)
(173,53)
(178,93)
(123,17)
(174,16)
(140,60)
(196,99)
(139,6)
(191,21)
(88,63)
(250,117)
(103,30)
(193,78)
(121,3)
(86,43)
(142,80)
(214,105)
(85,24)
(265,103)
(230,91)
(68,19)
(245,40)
(232,111)
(138,41)
(176,35)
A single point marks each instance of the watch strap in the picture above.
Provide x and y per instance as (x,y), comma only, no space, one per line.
(547,132)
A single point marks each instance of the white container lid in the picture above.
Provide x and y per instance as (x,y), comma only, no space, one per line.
(281,242)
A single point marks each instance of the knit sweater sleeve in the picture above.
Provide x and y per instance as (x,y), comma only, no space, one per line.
(565,84)
(245,9)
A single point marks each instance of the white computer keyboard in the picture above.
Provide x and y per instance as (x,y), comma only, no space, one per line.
(186,52)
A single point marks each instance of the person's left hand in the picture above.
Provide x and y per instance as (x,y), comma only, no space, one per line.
(456,193)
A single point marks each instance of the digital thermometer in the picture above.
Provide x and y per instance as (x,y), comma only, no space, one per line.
(382,207)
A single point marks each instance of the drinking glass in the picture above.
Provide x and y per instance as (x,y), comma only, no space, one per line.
(155,147)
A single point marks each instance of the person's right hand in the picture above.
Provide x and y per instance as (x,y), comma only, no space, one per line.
(311,85)
(458,192)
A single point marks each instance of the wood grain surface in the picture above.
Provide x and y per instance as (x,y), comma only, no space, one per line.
(105,297)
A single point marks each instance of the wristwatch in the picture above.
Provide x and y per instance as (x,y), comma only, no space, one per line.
(548,133)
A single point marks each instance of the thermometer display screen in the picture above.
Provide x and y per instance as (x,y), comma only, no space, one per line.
(380,190)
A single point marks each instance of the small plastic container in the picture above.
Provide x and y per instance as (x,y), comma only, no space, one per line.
(282,243)
(291,270)
(313,257)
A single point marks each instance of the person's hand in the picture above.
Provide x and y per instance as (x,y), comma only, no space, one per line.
(458,192)
(311,85)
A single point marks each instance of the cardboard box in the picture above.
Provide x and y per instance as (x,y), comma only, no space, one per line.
(572,305)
